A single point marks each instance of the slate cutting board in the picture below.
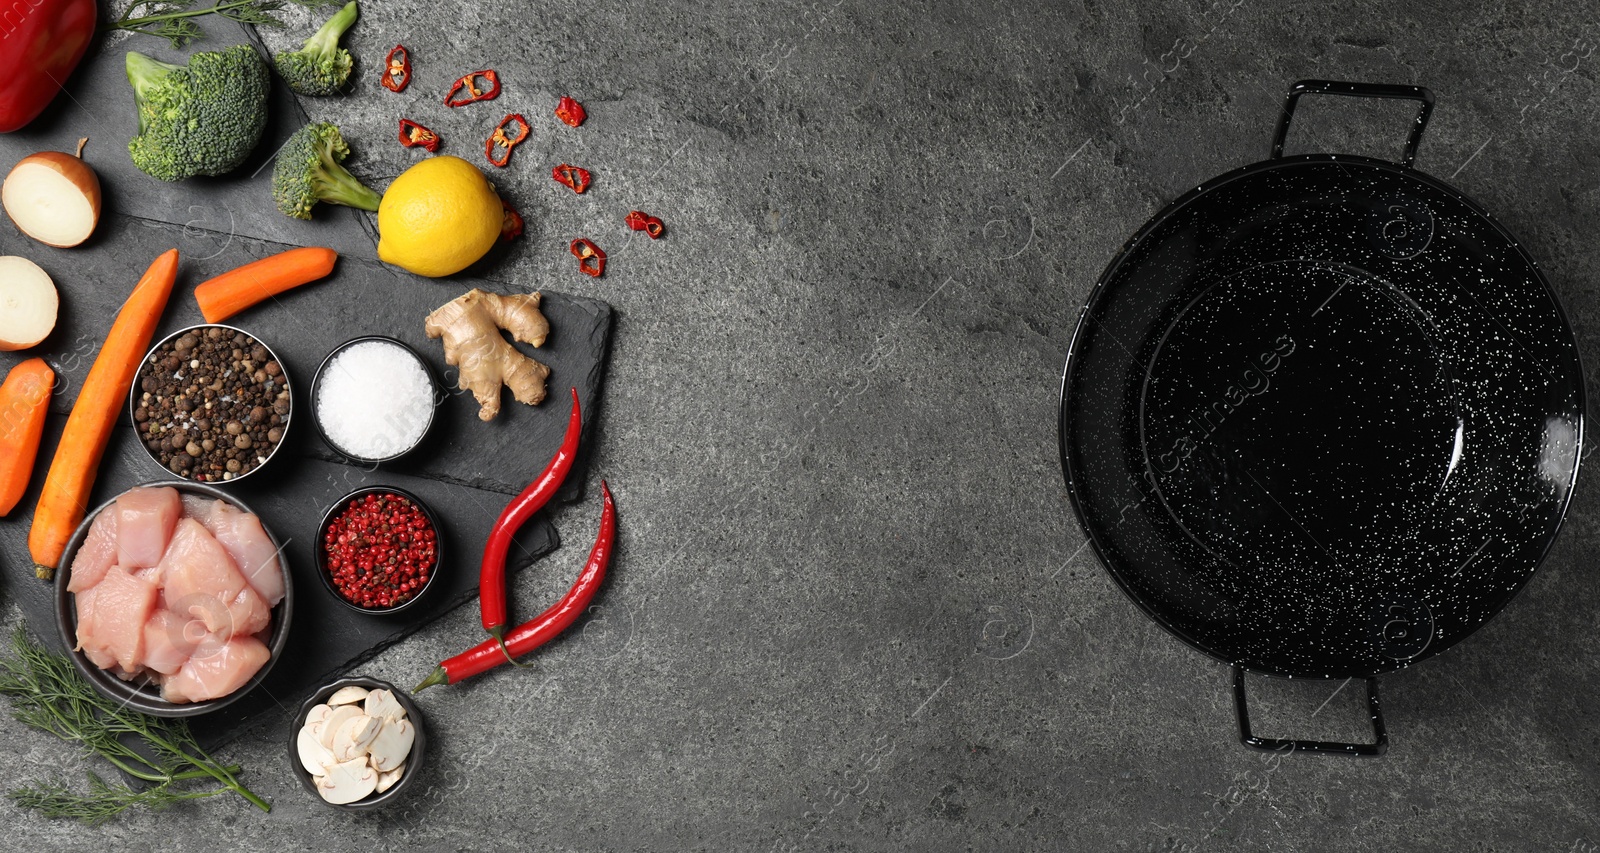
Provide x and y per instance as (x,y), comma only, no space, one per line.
(466,470)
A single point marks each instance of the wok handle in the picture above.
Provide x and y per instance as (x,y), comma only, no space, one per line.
(1379,746)
(1359,90)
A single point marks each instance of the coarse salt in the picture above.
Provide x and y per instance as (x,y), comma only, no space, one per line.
(374,400)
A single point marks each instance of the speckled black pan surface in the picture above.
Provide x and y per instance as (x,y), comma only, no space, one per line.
(1322,417)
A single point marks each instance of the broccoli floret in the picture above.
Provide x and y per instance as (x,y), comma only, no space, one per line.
(322,66)
(308,171)
(201,119)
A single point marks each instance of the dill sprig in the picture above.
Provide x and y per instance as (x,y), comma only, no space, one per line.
(48,694)
(104,800)
(173,20)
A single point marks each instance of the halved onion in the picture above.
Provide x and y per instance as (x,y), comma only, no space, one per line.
(28,303)
(53,197)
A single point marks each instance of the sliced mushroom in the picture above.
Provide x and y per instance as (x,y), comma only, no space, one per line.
(390,748)
(387,778)
(317,714)
(314,757)
(383,705)
(331,725)
(347,695)
(351,740)
(348,781)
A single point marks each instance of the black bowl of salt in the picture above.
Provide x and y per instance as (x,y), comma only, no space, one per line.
(373,399)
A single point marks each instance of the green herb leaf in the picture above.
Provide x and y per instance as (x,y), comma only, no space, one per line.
(47,693)
(173,19)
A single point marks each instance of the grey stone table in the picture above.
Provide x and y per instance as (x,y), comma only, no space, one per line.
(851,609)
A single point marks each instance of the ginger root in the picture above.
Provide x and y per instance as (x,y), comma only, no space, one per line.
(470,325)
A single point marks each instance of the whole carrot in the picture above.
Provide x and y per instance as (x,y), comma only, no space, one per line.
(105,391)
(238,289)
(24,402)
(546,626)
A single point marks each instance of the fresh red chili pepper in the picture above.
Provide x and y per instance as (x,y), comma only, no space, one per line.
(572,176)
(513,130)
(636,219)
(591,261)
(41,42)
(511,224)
(570,111)
(413,135)
(474,94)
(397,69)
(546,626)
(492,572)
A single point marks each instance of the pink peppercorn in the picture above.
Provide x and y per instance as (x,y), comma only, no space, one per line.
(380,551)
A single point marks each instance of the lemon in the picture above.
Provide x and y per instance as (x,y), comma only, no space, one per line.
(438,217)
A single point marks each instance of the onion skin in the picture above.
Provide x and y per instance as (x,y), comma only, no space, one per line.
(82,176)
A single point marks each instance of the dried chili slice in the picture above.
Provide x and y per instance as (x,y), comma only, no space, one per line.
(474,94)
(573,176)
(638,220)
(397,69)
(571,112)
(511,226)
(513,130)
(413,135)
(591,261)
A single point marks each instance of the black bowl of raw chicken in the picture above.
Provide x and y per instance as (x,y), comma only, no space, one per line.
(174,599)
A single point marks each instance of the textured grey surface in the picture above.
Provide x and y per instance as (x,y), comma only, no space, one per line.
(851,609)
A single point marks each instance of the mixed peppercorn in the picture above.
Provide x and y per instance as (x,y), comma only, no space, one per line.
(380,550)
(213,404)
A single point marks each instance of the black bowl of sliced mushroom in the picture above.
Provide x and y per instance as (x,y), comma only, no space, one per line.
(357,743)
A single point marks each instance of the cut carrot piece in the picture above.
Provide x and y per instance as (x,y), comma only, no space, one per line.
(238,289)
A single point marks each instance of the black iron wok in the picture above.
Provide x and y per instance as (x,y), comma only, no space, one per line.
(1321,417)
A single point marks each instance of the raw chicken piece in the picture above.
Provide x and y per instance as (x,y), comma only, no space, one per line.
(97,553)
(247,542)
(111,617)
(201,580)
(197,507)
(100,657)
(145,519)
(215,675)
(84,601)
(170,640)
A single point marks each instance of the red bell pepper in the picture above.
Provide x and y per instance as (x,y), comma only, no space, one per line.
(41,42)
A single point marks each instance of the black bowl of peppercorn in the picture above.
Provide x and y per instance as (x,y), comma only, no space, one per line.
(379,550)
(211,404)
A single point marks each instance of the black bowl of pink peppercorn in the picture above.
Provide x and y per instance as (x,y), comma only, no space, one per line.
(378,550)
